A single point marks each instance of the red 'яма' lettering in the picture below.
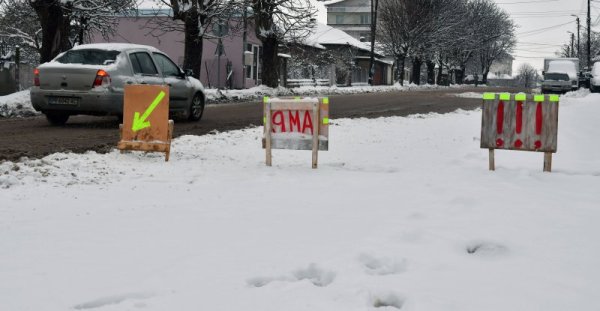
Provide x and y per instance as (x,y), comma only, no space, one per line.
(279,121)
(294,120)
(307,122)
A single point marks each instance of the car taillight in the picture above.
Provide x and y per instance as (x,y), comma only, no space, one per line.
(36,77)
(102,78)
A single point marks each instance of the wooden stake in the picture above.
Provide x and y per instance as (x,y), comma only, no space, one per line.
(268,133)
(492,160)
(170,137)
(547,161)
(315,142)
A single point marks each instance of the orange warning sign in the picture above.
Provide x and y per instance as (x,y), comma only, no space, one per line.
(146,126)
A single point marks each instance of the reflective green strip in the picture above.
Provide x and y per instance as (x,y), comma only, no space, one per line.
(326,100)
(489,96)
(265,99)
(520,97)
(297,98)
(539,98)
(264,120)
(505,96)
(554,98)
(325,120)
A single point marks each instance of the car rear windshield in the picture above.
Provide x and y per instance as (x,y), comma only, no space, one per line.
(88,57)
(557,76)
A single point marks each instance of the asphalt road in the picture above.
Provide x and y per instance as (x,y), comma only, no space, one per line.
(35,138)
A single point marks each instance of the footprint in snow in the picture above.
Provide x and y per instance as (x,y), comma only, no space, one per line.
(313,274)
(486,249)
(390,301)
(383,265)
(112,300)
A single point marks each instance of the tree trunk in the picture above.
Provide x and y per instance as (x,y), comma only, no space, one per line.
(270,62)
(460,75)
(55,28)
(192,54)
(430,72)
(484,78)
(439,73)
(416,71)
(400,68)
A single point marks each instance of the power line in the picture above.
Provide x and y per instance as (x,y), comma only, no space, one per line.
(542,30)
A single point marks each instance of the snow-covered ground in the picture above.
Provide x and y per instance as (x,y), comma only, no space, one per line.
(16,105)
(402,214)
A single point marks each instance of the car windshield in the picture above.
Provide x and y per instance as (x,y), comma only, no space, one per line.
(557,76)
(88,57)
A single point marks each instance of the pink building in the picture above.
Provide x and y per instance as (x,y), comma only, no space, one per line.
(215,70)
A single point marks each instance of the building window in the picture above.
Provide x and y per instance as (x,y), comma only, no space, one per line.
(254,71)
(339,19)
(365,19)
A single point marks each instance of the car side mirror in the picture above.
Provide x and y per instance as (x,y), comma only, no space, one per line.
(189,72)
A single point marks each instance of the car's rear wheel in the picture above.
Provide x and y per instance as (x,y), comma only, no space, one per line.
(57,118)
(196,108)
(593,89)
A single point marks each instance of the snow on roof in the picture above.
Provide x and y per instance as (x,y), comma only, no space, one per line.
(114,46)
(381,60)
(323,34)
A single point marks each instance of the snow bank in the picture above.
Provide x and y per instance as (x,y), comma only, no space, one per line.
(260,91)
(16,105)
(402,214)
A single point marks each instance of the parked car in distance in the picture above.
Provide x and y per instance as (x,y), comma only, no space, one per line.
(584,79)
(569,66)
(556,82)
(90,79)
(595,79)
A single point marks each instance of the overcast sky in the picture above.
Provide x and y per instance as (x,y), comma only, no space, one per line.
(542,26)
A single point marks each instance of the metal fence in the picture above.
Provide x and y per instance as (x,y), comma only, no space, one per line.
(8,83)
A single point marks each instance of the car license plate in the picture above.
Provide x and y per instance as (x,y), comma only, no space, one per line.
(70,101)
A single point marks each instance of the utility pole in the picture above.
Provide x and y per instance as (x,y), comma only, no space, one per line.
(589,37)
(244,43)
(373,31)
(578,44)
(578,36)
(573,45)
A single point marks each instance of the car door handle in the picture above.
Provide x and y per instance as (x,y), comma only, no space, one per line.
(169,84)
(144,83)
(129,82)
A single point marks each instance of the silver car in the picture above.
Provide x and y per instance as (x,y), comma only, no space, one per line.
(89,79)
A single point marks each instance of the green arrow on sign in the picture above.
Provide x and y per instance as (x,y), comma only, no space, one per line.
(140,123)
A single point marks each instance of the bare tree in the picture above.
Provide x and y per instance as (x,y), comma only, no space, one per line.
(527,75)
(419,30)
(19,25)
(196,19)
(497,35)
(278,22)
(401,26)
(58,18)
(594,49)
